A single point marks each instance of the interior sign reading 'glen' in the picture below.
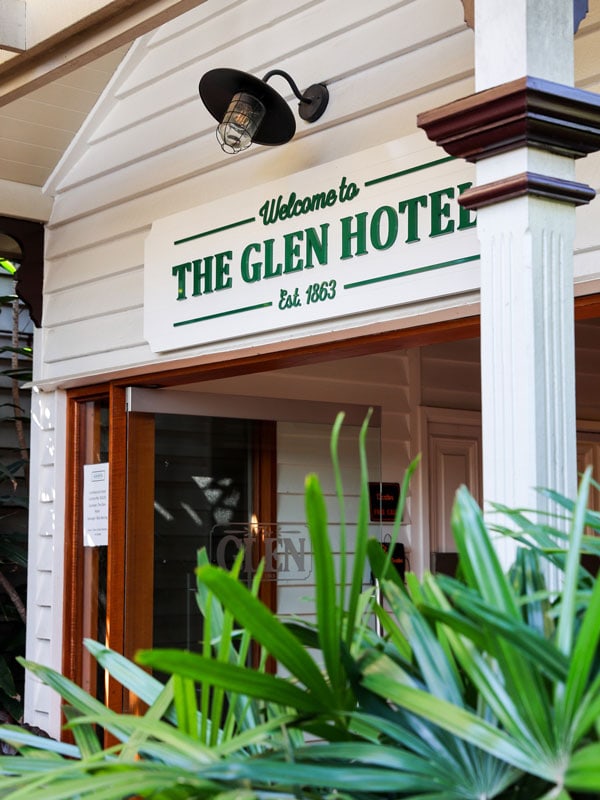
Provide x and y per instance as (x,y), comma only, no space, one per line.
(329,243)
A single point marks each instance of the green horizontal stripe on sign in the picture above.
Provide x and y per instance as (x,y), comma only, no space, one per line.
(215,230)
(429,268)
(221,314)
(409,171)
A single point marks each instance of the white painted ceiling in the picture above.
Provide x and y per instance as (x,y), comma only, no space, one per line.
(36,129)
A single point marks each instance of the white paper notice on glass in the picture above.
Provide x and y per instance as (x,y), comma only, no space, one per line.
(95,505)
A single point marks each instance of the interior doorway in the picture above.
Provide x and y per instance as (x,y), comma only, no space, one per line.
(453,459)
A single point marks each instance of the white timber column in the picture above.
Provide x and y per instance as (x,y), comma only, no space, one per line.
(527,321)
(524,127)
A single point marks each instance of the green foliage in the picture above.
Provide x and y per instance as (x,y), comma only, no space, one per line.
(13,507)
(487,686)
(8,266)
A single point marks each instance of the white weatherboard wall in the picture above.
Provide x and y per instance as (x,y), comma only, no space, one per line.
(149,150)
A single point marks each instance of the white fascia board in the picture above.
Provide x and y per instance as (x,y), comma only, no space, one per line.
(24,201)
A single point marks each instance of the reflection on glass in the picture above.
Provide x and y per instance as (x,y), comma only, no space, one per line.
(202,480)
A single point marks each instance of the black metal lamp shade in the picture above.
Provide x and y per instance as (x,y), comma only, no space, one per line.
(218,86)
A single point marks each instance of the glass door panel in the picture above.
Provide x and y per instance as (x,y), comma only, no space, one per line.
(203,482)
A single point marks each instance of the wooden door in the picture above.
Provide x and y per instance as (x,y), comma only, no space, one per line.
(454,459)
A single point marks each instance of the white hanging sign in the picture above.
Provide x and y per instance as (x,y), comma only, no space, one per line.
(95,505)
(376,230)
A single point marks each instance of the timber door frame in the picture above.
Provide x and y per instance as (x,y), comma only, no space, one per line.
(80,601)
(129,562)
(129,558)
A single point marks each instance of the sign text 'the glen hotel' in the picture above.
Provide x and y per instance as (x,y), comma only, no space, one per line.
(339,244)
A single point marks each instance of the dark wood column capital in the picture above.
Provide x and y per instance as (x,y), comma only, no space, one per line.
(527,183)
(527,112)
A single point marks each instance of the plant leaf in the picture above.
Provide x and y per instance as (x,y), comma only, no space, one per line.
(328,622)
(230,676)
(583,774)
(267,629)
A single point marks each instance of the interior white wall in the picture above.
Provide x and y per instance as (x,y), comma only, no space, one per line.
(381,380)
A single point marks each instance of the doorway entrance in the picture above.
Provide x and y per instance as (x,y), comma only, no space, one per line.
(285,414)
(452,451)
(226,473)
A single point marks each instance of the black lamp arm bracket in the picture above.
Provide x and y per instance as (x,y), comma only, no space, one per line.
(291,82)
(314,100)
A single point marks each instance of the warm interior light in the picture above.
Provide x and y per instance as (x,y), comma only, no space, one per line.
(240,123)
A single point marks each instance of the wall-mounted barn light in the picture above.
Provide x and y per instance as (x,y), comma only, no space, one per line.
(249,110)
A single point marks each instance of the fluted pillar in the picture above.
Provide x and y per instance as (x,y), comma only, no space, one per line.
(527,353)
(524,133)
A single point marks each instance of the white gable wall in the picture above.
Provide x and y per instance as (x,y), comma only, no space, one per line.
(149,148)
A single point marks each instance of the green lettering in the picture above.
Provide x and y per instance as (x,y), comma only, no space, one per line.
(292,252)
(359,234)
(331,198)
(318,201)
(376,228)
(202,278)
(412,206)
(316,246)
(441,210)
(466,217)
(250,272)
(179,272)
(223,281)
(271,271)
